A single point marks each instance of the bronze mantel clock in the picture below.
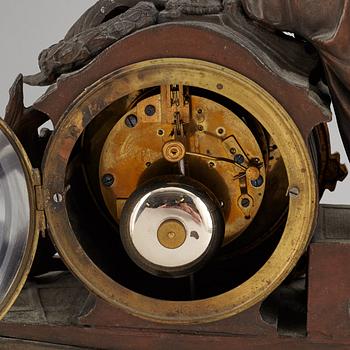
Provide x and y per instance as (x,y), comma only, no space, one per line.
(181,182)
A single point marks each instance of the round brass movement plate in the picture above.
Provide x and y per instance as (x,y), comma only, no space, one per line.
(171,234)
(174,151)
(207,134)
(233,86)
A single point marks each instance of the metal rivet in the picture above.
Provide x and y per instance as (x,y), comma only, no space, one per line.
(220,131)
(108,180)
(57,197)
(131,121)
(160,132)
(211,165)
(220,86)
(150,110)
(200,127)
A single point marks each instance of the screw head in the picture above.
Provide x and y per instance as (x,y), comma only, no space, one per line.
(245,202)
(239,159)
(108,180)
(294,191)
(131,121)
(258,182)
(57,197)
(150,110)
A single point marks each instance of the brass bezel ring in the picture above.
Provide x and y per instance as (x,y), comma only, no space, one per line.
(273,117)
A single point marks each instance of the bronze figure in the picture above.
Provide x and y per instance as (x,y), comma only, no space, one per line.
(325,24)
(75,51)
(105,23)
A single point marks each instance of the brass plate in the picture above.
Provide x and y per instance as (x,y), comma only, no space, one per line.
(234,86)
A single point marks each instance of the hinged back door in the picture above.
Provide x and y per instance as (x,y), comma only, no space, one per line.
(19,219)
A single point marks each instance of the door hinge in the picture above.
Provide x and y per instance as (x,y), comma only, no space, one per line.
(39,200)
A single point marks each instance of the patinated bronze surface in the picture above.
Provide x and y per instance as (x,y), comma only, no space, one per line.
(325,24)
(74,52)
